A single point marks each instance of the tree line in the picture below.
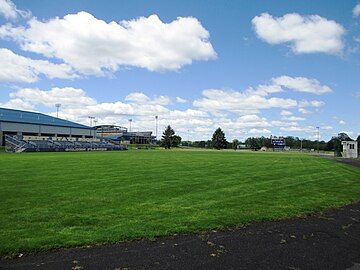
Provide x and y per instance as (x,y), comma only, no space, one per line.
(218,141)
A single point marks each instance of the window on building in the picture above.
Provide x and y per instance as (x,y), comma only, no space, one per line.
(351,146)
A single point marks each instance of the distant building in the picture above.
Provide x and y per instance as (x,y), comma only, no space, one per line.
(122,135)
(242,146)
(350,149)
(17,122)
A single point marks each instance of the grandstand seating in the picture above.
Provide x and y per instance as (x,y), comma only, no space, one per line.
(17,143)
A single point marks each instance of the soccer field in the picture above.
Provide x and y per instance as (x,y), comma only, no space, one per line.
(52,200)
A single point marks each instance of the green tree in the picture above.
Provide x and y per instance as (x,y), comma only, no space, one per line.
(252,143)
(176,141)
(330,145)
(235,144)
(218,139)
(264,142)
(344,137)
(167,137)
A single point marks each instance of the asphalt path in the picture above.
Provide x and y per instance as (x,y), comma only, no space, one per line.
(327,240)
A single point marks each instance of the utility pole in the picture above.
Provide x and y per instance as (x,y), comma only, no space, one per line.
(130,120)
(318,138)
(156,127)
(57,105)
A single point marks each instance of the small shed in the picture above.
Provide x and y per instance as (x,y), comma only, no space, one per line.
(350,149)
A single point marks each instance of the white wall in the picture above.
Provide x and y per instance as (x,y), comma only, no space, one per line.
(350,149)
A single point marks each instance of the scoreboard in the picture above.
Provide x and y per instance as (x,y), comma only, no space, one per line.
(278,141)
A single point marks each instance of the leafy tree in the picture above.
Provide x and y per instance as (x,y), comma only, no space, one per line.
(235,144)
(201,144)
(167,137)
(252,143)
(330,145)
(335,142)
(176,141)
(262,141)
(344,137)
(337,146)
(218,139)
(186,143)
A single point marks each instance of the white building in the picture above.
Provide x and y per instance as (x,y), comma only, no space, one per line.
(350,149)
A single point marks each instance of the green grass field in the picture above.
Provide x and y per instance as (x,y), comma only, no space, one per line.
(52,200)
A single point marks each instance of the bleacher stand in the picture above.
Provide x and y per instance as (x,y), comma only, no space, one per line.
(17,143)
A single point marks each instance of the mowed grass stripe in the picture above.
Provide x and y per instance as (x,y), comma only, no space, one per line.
(51,200)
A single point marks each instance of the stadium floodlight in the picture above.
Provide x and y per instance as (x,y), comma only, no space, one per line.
(130,120)
(57,105)
(156,126)
(318,138)
(91,119)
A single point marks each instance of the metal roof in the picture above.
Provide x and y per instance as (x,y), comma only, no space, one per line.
(18,116)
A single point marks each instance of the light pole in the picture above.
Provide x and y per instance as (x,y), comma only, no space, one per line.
(130,120)
(95,121)
(318,138)
(91,119)
(57,105)
(156,126)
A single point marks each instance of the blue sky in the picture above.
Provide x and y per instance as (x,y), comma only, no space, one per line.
(251,67)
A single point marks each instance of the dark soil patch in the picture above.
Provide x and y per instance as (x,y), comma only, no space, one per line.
(330,240)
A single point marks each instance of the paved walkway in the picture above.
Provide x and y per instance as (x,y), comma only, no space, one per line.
(351,161)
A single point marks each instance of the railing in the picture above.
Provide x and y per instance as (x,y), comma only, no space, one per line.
(12,140)
(54,143)
(18,145)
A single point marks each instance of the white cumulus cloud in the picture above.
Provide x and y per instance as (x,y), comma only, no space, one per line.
(93,47)
(285,113)
(305,34)
(9,10)
(181,100)
(258,131)
(193,122)
(247,102)
(356,10)
(304,111)
(68,97)
(17,68)
(312,103)
(141,98)
(18,104)
(76,106)
(250,101)
(293,118)
(302,84)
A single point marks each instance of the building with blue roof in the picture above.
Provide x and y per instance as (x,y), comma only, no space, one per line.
(18,122)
